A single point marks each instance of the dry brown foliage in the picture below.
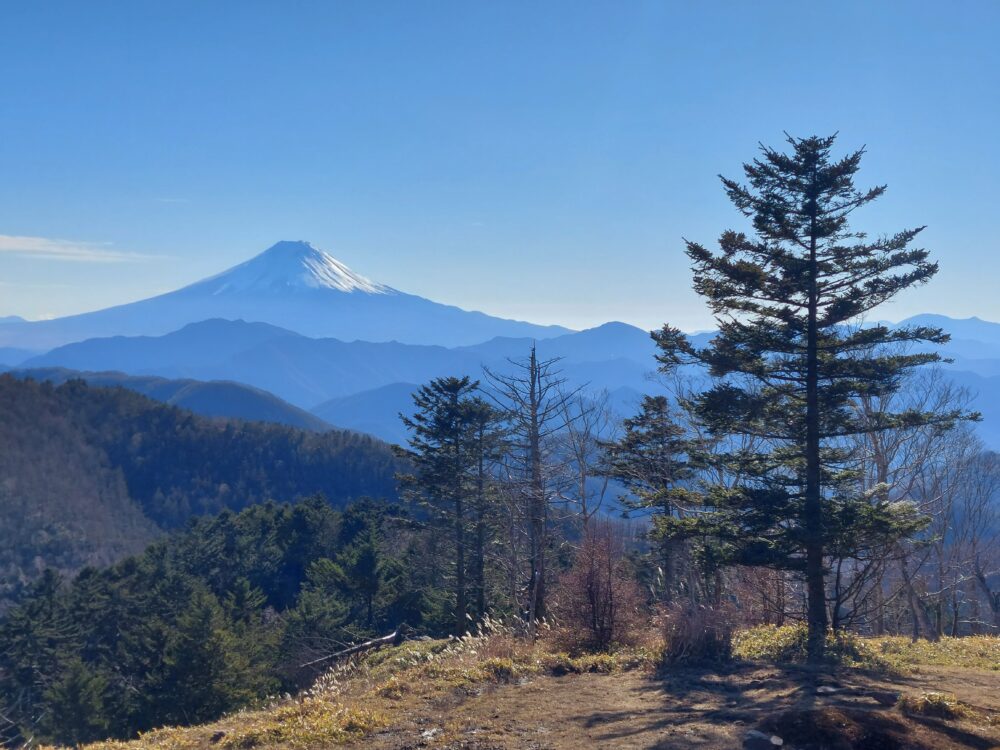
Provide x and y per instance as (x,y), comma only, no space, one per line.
(599,604)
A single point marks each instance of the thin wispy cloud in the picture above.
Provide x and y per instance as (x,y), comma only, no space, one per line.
(46,248)
(30,285)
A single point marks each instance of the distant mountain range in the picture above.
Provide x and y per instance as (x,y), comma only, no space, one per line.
(294,336)
(357,385)
(292,285)
(363,386)
(375,412)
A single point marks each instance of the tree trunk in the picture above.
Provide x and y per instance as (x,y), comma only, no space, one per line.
(393,639)
(992,597)
(813,508)
(479,564)
(461,605)
(920,619)
(536,500)
(667,560)
(879,627)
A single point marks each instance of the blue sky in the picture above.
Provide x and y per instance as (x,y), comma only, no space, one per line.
(538,160)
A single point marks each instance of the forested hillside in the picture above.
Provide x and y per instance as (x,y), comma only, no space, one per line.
(88,475)
(214,398)
(204,621)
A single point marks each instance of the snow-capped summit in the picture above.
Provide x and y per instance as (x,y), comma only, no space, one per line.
(295,286)
(290,265)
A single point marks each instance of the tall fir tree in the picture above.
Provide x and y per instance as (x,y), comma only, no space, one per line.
(447,449)
(791,358)
(486,445)
(653,460)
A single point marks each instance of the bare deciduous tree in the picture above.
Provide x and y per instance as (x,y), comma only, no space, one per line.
(533,400)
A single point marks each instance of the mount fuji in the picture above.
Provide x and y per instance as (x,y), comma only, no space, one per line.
(293,285)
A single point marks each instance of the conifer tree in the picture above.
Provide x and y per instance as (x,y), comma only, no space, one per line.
(486,446)
(363,572)
(652,459)
(76,706)
(791,357)
(442,449)
(196,680)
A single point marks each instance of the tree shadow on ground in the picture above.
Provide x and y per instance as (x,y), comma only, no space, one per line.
(809,708)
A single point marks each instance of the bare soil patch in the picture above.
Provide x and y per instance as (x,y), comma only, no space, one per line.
(696,708)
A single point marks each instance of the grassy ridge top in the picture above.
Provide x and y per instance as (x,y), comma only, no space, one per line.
(371,694)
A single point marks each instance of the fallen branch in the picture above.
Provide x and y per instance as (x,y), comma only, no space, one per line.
(393,639)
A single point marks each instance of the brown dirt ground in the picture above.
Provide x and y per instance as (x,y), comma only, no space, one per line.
(692,708)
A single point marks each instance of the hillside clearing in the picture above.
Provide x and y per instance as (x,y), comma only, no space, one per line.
(494,692)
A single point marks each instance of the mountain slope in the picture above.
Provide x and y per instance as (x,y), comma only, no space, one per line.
(12,356)
(292,285)
(375,412)
(90,474)
(604,342)
(216,398)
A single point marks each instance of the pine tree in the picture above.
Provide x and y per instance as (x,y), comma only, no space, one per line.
(363,572)
(198,678)
(652,459)
(441,453)
(486,446)
(76,711)
(318,625)
(34,637)
(790,359)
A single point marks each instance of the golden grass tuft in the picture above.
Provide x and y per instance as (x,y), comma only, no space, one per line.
(393,688)
(886,654)
(938,705)
(308,724)
(967,652)
(501,669)
(786,644)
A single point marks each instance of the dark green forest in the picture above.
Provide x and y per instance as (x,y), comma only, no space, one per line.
(206,620)
(90,475)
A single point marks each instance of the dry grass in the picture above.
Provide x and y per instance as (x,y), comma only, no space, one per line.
(787,645)
(938,705)
(941,705)
(367,694)
(357,698)
(694,635)
(971,652)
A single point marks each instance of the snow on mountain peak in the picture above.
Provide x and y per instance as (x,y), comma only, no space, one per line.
(290,265)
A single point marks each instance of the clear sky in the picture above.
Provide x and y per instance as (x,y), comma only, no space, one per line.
(537,160)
